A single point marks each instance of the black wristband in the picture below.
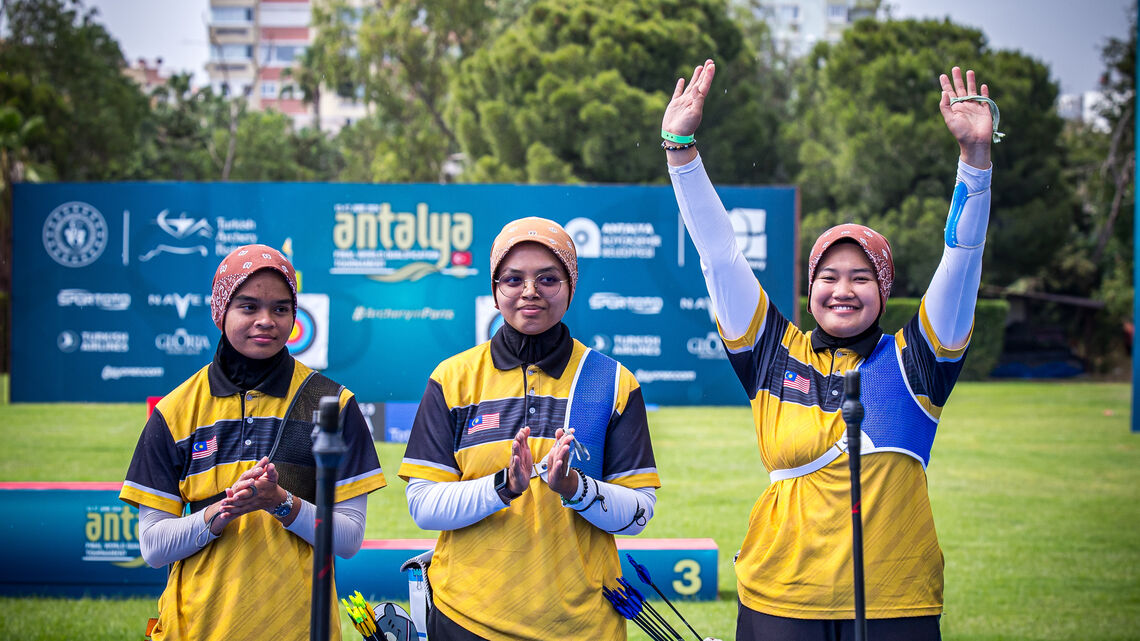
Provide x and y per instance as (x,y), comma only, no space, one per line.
(503,486)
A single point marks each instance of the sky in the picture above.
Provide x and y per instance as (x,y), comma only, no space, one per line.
(1067,35)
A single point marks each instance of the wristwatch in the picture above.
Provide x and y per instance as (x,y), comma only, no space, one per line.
(286,507)
(503,486)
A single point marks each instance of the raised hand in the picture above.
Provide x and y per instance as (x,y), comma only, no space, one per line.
(558,463)
(683,114)
(969,121)
(522,463)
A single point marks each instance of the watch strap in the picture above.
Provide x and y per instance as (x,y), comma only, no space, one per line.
(286,507)
(503,486)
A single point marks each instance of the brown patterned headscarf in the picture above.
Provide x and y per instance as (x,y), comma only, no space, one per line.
(872,243)
(545,232)
(240,265)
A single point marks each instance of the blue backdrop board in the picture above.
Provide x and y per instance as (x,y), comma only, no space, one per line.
(110,299)
(79,539)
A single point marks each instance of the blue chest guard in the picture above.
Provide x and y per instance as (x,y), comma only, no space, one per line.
(593,398)
(894,421)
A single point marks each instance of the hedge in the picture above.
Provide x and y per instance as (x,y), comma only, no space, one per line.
(985,345)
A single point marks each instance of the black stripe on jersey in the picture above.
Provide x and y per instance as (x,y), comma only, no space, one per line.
(543,414)
(232,435)
(922,366)
(817,394)
(753,365)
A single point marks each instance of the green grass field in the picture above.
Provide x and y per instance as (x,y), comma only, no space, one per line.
(1035,487)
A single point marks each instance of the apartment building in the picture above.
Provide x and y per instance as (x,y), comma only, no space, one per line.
(253,43)
(798,25)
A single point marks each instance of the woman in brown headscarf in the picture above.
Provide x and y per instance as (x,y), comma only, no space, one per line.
(794,572)
(233,446)
(527,537)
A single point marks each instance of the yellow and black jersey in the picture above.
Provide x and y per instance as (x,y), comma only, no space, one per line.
(198,441)
(535,569)
(796,559)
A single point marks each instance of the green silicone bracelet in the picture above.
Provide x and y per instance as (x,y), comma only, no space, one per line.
(675,138)
(994,113)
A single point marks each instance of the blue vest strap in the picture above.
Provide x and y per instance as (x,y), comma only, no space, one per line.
(593,399)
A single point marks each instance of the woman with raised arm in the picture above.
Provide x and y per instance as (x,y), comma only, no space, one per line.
(794,571)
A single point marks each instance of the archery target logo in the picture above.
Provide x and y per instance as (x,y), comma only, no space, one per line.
(488,320)
(301,338)
(309,340)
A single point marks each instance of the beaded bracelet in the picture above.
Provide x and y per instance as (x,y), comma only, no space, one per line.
(585,488)
(667,147)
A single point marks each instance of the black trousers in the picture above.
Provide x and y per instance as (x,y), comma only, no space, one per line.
(441,628)
(757,626)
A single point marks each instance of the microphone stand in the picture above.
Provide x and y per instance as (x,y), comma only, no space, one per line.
(328,449)
(853,416)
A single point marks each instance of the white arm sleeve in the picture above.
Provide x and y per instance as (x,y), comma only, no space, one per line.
(165,538)
(953,292)
(615,508)
(732,286)
(451,505)
(349,518)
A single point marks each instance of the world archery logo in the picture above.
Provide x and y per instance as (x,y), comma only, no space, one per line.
(75,234)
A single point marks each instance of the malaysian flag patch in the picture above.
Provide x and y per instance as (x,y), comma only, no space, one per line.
(202,449)
(799,383)
(483,422)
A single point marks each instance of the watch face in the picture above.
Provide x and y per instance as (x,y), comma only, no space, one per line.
(285,508)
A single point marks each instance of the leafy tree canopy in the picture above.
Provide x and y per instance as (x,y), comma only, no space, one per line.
(873,148)
(57,46)
(574,91)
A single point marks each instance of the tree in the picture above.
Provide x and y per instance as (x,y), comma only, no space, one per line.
(574,91)
(872,146)
(1097,259)
(175,139)
(398,57)
(95,134)
(199,135)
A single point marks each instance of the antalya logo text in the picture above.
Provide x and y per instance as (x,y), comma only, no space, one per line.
(393,246)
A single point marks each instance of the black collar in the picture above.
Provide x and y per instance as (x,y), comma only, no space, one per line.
(275,381)
(549,350)
(862,344)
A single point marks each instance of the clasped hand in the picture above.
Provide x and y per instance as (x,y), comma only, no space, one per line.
(256,489)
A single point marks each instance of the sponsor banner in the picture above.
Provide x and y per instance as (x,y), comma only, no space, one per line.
(111,282)
(85,341)
(83,299)
(635,304)
(706,347)
(181,303)
(627,345)
(183,343)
